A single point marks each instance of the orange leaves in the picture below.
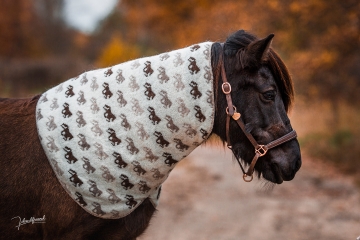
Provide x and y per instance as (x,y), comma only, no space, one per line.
(117,51)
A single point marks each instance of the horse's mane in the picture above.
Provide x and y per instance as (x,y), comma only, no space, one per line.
(240,40)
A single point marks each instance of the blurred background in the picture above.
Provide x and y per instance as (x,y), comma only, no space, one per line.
(44,42)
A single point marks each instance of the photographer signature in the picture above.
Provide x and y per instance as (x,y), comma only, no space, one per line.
(32,220)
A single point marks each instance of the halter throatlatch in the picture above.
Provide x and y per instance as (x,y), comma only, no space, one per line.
(231,111)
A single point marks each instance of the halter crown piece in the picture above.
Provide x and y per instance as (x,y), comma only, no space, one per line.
(231,111)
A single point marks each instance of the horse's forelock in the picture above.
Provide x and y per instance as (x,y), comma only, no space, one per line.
(240,40)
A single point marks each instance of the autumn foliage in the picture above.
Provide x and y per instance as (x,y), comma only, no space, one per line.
(319,39)
(117,51)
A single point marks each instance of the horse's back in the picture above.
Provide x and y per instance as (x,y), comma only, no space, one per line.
(17,125)
(13,105)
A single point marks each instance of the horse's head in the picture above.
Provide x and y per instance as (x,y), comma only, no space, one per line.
(262,92)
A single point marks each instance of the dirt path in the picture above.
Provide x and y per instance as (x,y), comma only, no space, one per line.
(205,198)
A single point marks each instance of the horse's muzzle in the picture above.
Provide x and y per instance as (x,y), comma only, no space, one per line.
(283,163)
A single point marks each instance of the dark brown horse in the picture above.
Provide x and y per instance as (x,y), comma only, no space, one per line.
(262,92)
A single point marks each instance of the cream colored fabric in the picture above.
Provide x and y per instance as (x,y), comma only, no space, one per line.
(113,135)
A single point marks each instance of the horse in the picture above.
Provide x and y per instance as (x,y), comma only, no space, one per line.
(253,93)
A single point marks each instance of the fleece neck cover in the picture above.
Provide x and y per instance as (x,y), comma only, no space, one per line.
(113,135)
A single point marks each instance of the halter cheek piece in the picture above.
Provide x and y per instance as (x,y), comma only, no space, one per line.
(231,112)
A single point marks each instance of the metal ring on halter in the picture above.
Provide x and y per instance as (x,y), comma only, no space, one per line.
(227,110)
(227,86)
(248,180)
(261,150)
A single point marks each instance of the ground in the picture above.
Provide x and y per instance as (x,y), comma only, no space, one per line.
(206,198)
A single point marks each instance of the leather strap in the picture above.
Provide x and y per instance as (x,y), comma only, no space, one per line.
(231,111)
(262,150)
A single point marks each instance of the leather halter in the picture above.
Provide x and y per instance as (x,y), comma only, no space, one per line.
(231,112)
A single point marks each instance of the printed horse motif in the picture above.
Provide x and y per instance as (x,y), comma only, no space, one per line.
(87,165)
(125,183)
(119,161)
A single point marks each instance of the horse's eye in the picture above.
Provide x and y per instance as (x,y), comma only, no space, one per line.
(269,95)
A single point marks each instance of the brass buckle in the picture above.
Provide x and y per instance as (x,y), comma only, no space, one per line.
(261,150)
(224,85)
(245,177)
(236,115)
(227,109)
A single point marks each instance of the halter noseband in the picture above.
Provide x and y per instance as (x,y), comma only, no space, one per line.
(231,112)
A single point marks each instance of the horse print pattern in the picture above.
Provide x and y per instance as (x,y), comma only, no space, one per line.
(112,136)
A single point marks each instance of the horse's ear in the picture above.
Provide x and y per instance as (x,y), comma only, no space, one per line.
(256,52)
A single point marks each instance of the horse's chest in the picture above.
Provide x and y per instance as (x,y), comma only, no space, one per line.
(113,140)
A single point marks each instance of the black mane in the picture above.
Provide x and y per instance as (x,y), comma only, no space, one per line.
(239,41)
